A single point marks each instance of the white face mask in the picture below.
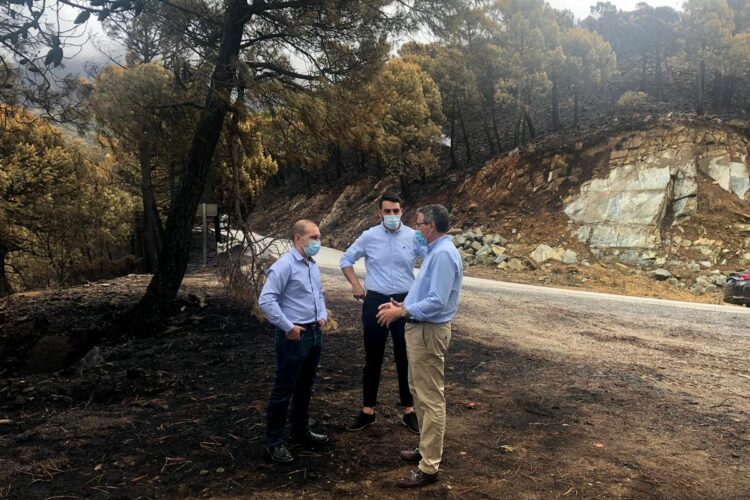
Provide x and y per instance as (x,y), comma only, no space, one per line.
(392,221)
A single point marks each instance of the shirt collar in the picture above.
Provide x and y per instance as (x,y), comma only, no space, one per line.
(299,256)
(435,243)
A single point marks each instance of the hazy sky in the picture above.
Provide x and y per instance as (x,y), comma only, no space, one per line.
(581,8)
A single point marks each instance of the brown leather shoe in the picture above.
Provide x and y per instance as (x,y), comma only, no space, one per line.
(416,479)
(411,455)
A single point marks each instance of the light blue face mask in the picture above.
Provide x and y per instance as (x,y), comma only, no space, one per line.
(392,221)
(312,248)
(421,240)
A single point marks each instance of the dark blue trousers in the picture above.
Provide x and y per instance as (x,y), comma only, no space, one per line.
(296,364)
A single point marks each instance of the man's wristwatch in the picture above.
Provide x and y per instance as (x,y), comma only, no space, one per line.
(404,312)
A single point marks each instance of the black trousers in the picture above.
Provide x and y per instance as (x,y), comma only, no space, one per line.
(375,337)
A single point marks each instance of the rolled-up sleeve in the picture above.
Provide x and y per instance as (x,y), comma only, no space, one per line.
(355,252)
(324,309)
(442,275)
(276,281)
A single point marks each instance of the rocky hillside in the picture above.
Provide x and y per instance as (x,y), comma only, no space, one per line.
(668,193)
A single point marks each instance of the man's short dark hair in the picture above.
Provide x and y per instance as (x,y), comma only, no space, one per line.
(437,214)
(392,197)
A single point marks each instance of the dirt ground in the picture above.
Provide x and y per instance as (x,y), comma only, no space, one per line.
(544,400)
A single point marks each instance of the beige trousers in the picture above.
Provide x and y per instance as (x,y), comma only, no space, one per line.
(426,344)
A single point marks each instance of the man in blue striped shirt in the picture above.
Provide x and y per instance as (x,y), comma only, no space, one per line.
(390,251)
(429,308)
(292,300)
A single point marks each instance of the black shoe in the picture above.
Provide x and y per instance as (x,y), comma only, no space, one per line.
(362,421)
(411,422)
(416,479)
(309,438)
(412,456)
(279,454)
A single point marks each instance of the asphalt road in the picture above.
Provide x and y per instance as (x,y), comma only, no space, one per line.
(583,301)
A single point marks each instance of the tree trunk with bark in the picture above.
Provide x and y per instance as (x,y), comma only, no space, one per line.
(153,232)
(157,302)
(454,161)
(405,191)
(487,133)
(701,83)
(527,117)
(495,131)
(464,132)
(716,91)
(5,288)
(555,106)
(659,78)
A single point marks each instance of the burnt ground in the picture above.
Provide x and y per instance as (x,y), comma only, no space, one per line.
(544,400)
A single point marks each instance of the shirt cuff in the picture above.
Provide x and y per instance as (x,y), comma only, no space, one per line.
(286,325)
(345,263)
(414,312)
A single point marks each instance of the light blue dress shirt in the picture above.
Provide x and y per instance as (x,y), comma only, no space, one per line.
(293,294)
(434,296)
(389,258)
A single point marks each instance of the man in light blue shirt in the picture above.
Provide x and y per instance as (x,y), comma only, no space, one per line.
(390,251)
(429,308)
(292,300)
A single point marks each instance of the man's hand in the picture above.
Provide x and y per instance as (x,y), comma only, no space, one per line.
(388,313)
(358,291)
(295,333)
(322,323)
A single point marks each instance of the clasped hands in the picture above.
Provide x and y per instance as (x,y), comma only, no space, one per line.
(389,312)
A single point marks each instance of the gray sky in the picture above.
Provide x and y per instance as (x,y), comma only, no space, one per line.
(581,8)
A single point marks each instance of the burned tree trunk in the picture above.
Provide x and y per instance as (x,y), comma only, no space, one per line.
(173,259)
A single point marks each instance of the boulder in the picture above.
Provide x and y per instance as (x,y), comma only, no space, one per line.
(630,257)
(487,239)
(487,259)
(499,240)
(625,209)
(730,175)
(498,250)
(543,253)
(516,265)
(485,250)
(476,246)
(569,257)
(661,274)
(459,240)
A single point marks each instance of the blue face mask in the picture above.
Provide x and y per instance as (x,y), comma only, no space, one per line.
(421,240)
(312,248)
(392,221)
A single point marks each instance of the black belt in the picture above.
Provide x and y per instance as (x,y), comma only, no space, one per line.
(309,325)
(398,297)
(413,321)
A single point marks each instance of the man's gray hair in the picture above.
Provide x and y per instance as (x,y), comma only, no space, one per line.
(437,214)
